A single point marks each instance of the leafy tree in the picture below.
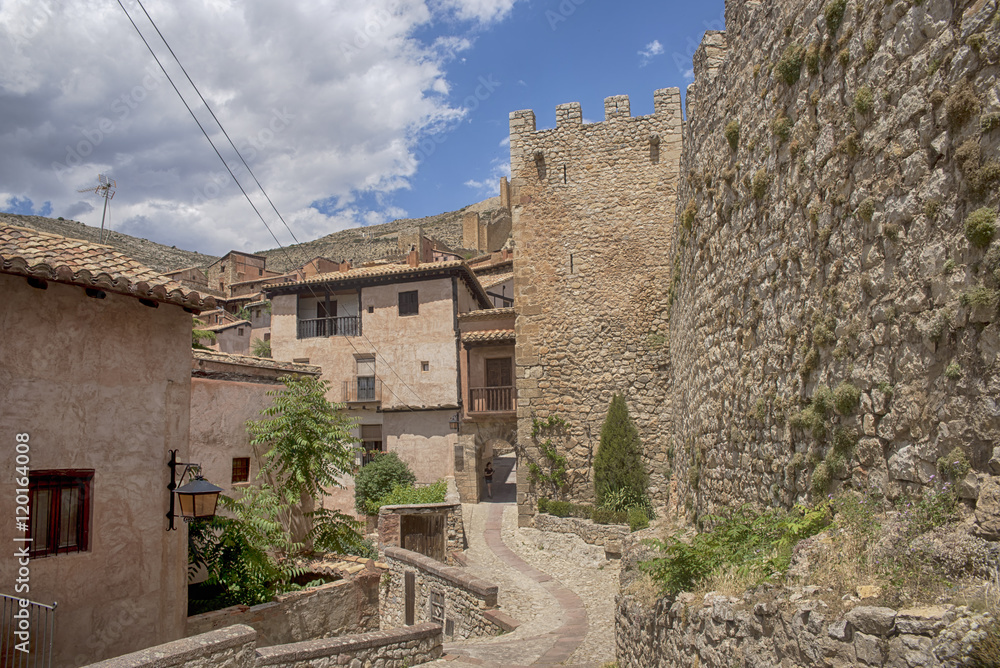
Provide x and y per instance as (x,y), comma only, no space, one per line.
(377,478)
(198,335)
(260,348)
(618,464)
(308,443)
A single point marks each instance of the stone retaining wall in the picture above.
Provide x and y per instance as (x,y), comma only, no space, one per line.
(468,602)
(723,631)
(334,609)
(236,647)
(389,518)
(610,536)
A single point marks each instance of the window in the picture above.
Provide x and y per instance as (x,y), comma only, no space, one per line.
(60,512)
(239,331)
(366,379)
(260,272)
(241,469)
(425,366)
(408,303)
(371,442)
(371,309)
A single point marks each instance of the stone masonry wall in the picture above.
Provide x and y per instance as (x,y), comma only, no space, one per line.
(608,536)
(827,176)
(470,603)
(790,630)
(592,209)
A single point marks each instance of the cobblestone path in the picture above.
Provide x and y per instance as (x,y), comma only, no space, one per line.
(559,589)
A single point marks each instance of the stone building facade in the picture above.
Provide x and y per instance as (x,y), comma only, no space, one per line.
(593,208)
(830,168)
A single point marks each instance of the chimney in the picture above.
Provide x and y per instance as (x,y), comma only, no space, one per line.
(345,266)
(413,259)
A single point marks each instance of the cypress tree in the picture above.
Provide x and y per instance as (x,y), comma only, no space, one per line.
(618,464)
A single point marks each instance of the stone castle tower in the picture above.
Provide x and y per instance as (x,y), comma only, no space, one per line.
(593,209)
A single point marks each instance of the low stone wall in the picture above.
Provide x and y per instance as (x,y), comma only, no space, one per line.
(397,648)
(334,609)
(724,631)
(236,647)
(233,647)
(610,536)
(466,604)
(390,518)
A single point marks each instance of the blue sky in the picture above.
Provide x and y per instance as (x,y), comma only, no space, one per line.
(350,112)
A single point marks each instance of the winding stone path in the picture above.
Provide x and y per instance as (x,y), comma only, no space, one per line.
(554,619)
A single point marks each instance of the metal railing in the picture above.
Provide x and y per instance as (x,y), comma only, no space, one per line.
(366,452)
(362,389)
(26,633)
(492,399)
(323,327)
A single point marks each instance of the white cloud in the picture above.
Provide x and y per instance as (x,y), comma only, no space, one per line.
(489,185)
(505,142)
(327,99)
(689,74)
(652,50)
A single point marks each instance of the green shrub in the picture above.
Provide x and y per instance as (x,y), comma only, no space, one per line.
(688,215)
(822,476)
(603,516)
(761,182)
(979,297)
(637,519)
(757,544)
(733,134)
(954,371)
(812,59)
(809,420)
(618,463)
(845,398)
(543,504)
(408,495)
(560,508)
(955,465)
(866,210)
(378,477)
(790,65)
(961,105)
(834,14)
(864,100)
(989,122)
(781,127)
(844,57)
(980,227)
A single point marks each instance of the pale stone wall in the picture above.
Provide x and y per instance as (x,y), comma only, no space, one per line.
(790,629)
(467,598)
(608,536)
(593,210)
(849,263)
(424,440)
(232,647)
(101,384)
(339,608)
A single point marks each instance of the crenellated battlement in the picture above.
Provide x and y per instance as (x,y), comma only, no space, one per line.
(570,115)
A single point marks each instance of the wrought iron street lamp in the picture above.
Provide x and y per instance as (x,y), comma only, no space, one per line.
(197,498)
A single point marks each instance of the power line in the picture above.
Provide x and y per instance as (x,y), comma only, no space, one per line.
(218,122)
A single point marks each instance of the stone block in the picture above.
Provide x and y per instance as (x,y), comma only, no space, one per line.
(872,620)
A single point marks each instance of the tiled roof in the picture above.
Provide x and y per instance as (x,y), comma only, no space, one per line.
(487,314)
(493,280)
(50,257)
(388,272)
(226,325)
(489,336)
(260,362)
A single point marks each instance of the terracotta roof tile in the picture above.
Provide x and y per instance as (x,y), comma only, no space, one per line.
(493,280)
(261,362)
(489,336)
(488,314)
(27,252)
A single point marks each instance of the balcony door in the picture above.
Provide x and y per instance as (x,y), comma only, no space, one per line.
(500,382)
(366,379)
(326,325)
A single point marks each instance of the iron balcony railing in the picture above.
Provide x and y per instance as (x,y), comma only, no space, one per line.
(362,389)
(26,633)
(367,451)
(492,400)
(323,327)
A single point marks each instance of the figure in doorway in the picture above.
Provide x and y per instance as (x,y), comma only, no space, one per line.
(489,478)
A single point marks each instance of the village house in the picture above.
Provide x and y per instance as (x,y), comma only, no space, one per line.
(387,339)
(96,387)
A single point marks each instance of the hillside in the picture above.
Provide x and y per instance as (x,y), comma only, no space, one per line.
(363,244)
(153,255)
(360,244)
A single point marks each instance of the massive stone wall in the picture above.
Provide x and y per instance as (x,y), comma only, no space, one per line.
(827,177)
(593,207)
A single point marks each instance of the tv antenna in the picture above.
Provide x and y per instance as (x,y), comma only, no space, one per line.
(105,188)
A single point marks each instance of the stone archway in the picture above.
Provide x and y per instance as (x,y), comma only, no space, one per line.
(482,442)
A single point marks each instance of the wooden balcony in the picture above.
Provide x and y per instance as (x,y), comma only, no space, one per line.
(362,390)
(492,400)
(325,327)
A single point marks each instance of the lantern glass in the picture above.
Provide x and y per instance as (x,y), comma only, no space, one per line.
(198,499)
